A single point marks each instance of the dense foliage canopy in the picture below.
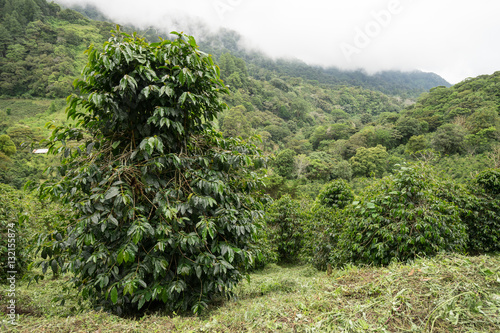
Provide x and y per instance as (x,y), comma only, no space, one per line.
(41,47)
(400,218)
(161,202)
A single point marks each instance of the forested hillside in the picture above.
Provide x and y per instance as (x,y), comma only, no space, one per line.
(184,165)
(403,84)
(41,47)
(321,124)
(316,118)
(41,53)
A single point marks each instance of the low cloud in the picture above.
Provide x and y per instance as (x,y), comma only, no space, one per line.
(455,39)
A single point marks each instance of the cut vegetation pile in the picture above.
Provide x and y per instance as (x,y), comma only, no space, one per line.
(447,293)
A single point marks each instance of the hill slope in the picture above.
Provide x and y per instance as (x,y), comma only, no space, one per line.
(322,115)
(41,47)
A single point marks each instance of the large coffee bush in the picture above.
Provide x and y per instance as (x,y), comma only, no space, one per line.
(163,212)
(479,205)
(399,218)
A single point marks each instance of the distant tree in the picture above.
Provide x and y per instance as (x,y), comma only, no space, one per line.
(52,108)
(285,163)
(233,70)
(301,164)
(234,81)
(321,133)
(72,16)
(31,11)
(298,108)
(280,84)
(483,118)
(481,141)
(5,40)
(7,146)
(266,139)
(341,131)
(494,157)
(284,112)
(449,139)
(13,26)
(278,133)
(241,67)
(388,137)
(3,121)
(284,219)
(344,148)
(342,170)
(22,133)
(235,123)
(415,144)
(338,114)
(370,161)
(366,118)
(388,117)
(16,52)
(7,149)
(408,127)
(371,136)
(320,166)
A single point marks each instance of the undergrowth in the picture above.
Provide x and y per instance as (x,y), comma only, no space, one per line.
(447,293)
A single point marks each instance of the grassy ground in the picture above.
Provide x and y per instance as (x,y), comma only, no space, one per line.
(448,293)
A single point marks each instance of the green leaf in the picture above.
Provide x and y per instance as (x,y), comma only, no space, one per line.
(104,282)
(142,300)
(114,295)
(182,78)
(146,91)
(198,271)
(54,266)
(211,231)
(119,257)
(89,147)
(112,219)
(111,193)
(142,283)
(131,81)
(183,97)
(166,90)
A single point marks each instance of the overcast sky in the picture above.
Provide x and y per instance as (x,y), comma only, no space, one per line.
(453,38)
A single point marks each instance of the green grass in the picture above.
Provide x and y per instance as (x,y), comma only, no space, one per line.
(33,113)
(448,293)
(22,108)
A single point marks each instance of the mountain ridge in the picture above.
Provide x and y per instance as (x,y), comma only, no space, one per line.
(407,84)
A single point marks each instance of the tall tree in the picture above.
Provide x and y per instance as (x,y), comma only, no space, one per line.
(449,139)
(235,123)
(370,161)
(6,145)
(285,163)
(161,201)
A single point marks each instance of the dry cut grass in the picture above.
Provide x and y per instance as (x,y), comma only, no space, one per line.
(447,293)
